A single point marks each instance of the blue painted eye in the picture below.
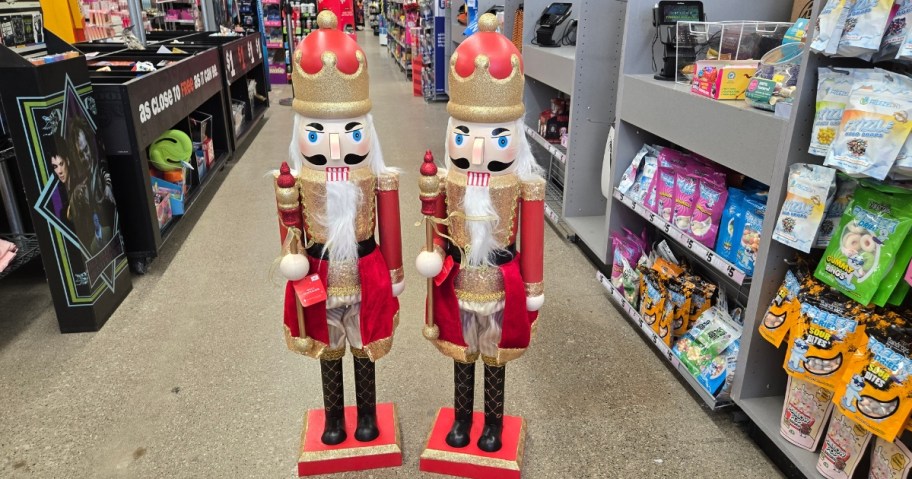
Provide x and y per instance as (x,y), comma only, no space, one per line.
(357,136)
(312,136)
(459,139)
(503,141)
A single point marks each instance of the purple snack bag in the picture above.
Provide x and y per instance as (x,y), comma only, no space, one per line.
(664,191)
(704,224)
(670,158)
(685,194)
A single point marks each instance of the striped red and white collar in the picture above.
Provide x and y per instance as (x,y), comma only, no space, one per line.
(337,173)
(478,179)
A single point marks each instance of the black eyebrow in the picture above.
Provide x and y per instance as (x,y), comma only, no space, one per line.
(463,129)
(352,125)
(498,131)
(316,126)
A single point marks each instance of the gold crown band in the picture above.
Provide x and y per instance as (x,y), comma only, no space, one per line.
(329,93)
(482,98)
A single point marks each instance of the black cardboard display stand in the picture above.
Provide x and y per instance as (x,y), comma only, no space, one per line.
(242,60)
(51,115)
(134,109)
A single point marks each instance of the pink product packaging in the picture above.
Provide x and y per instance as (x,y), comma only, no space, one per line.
(843,448)
(671,158)
(890,460)
(710,203)
(685,195)
(664,191)
(909,274)
(806,410)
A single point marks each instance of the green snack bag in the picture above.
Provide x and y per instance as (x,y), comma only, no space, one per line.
(899,294)
(864,248)
(891,281)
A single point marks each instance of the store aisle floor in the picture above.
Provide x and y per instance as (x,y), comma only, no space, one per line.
(191,379)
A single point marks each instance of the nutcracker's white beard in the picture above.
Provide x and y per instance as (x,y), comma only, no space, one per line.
(477,204)
(343,199)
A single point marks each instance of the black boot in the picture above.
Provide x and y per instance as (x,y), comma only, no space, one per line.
(333,401)
(366,396)
(463,403)
(494,379)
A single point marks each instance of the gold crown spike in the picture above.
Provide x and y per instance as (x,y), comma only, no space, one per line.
(486,77)
(340,87)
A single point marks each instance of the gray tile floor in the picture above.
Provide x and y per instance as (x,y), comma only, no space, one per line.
(190,378)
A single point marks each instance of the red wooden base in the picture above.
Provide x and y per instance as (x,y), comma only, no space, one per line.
(351,455)
(471,462)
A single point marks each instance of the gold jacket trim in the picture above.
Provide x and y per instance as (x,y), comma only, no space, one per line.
(293,342)
(312,184)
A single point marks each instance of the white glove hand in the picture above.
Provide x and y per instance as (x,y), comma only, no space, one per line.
(428,264)
(534,303)
(294,266)
(398,288)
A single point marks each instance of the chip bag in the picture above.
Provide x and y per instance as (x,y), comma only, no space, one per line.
(805,412)
(870,233)
(875,391)
(843,448)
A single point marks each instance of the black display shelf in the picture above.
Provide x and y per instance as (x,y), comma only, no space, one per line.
(51,114)
(135,109)
(242,60)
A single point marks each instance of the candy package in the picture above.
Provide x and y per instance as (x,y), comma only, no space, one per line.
(640,188)
(633,171)
(700,300)
(876,387)
(624,276)
(731,225)
(685,194)
(749,245)
(843,448)
(821,341)
(890,460)
(864,28)
(717,376)
(664,191)
(707,212)
(833,88)
(785,309)
(828,31)
(680,294)
(870,234)
(713,332)
(890,284)
(652,297)
(896,31)
(845,191)
(810,190)
(873,128)
(806,410)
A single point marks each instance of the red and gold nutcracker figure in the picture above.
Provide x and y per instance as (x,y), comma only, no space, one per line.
(329,206)
(484,303)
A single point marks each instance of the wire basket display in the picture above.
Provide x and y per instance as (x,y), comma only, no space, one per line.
(722,41)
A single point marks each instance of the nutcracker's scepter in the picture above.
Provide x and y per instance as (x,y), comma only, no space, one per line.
(429,187)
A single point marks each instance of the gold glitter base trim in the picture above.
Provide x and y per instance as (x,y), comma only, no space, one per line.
(316,456)
(462,458)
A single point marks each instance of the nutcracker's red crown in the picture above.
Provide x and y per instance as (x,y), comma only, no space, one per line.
(330,73)
(486,77)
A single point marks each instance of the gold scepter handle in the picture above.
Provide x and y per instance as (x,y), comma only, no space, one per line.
(429,192)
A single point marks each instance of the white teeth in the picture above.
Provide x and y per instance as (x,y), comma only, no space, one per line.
(821,366)
(772,321)
(875,409)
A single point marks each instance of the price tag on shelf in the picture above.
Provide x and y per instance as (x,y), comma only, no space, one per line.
(551,214)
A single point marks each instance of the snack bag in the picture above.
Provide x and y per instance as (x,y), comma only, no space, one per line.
(875,391)
(810,189)
(833,88)
(827,32)
(749,243)
(640,188)
(870,234)
(630,175)
(893,278)
(625,257)
(731,225)
(685,194)
(821,342)
(664,191)
(873,128)
(783,311)
(711,376)
(806,410)
(671,158)
(652,297)
(680,294)
(896,31)
(707,212)
(843,447)
(713,332)
(890,460)
(845,191)
(864,28)
(700,300)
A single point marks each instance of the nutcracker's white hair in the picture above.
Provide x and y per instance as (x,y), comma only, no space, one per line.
(375,158)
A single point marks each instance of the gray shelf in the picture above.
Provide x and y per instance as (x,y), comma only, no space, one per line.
(591,230)
(552,66)
(730,133)
(766,412)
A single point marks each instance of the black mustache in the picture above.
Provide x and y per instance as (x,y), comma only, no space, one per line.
(315,159)
(353,159)
(463,164)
